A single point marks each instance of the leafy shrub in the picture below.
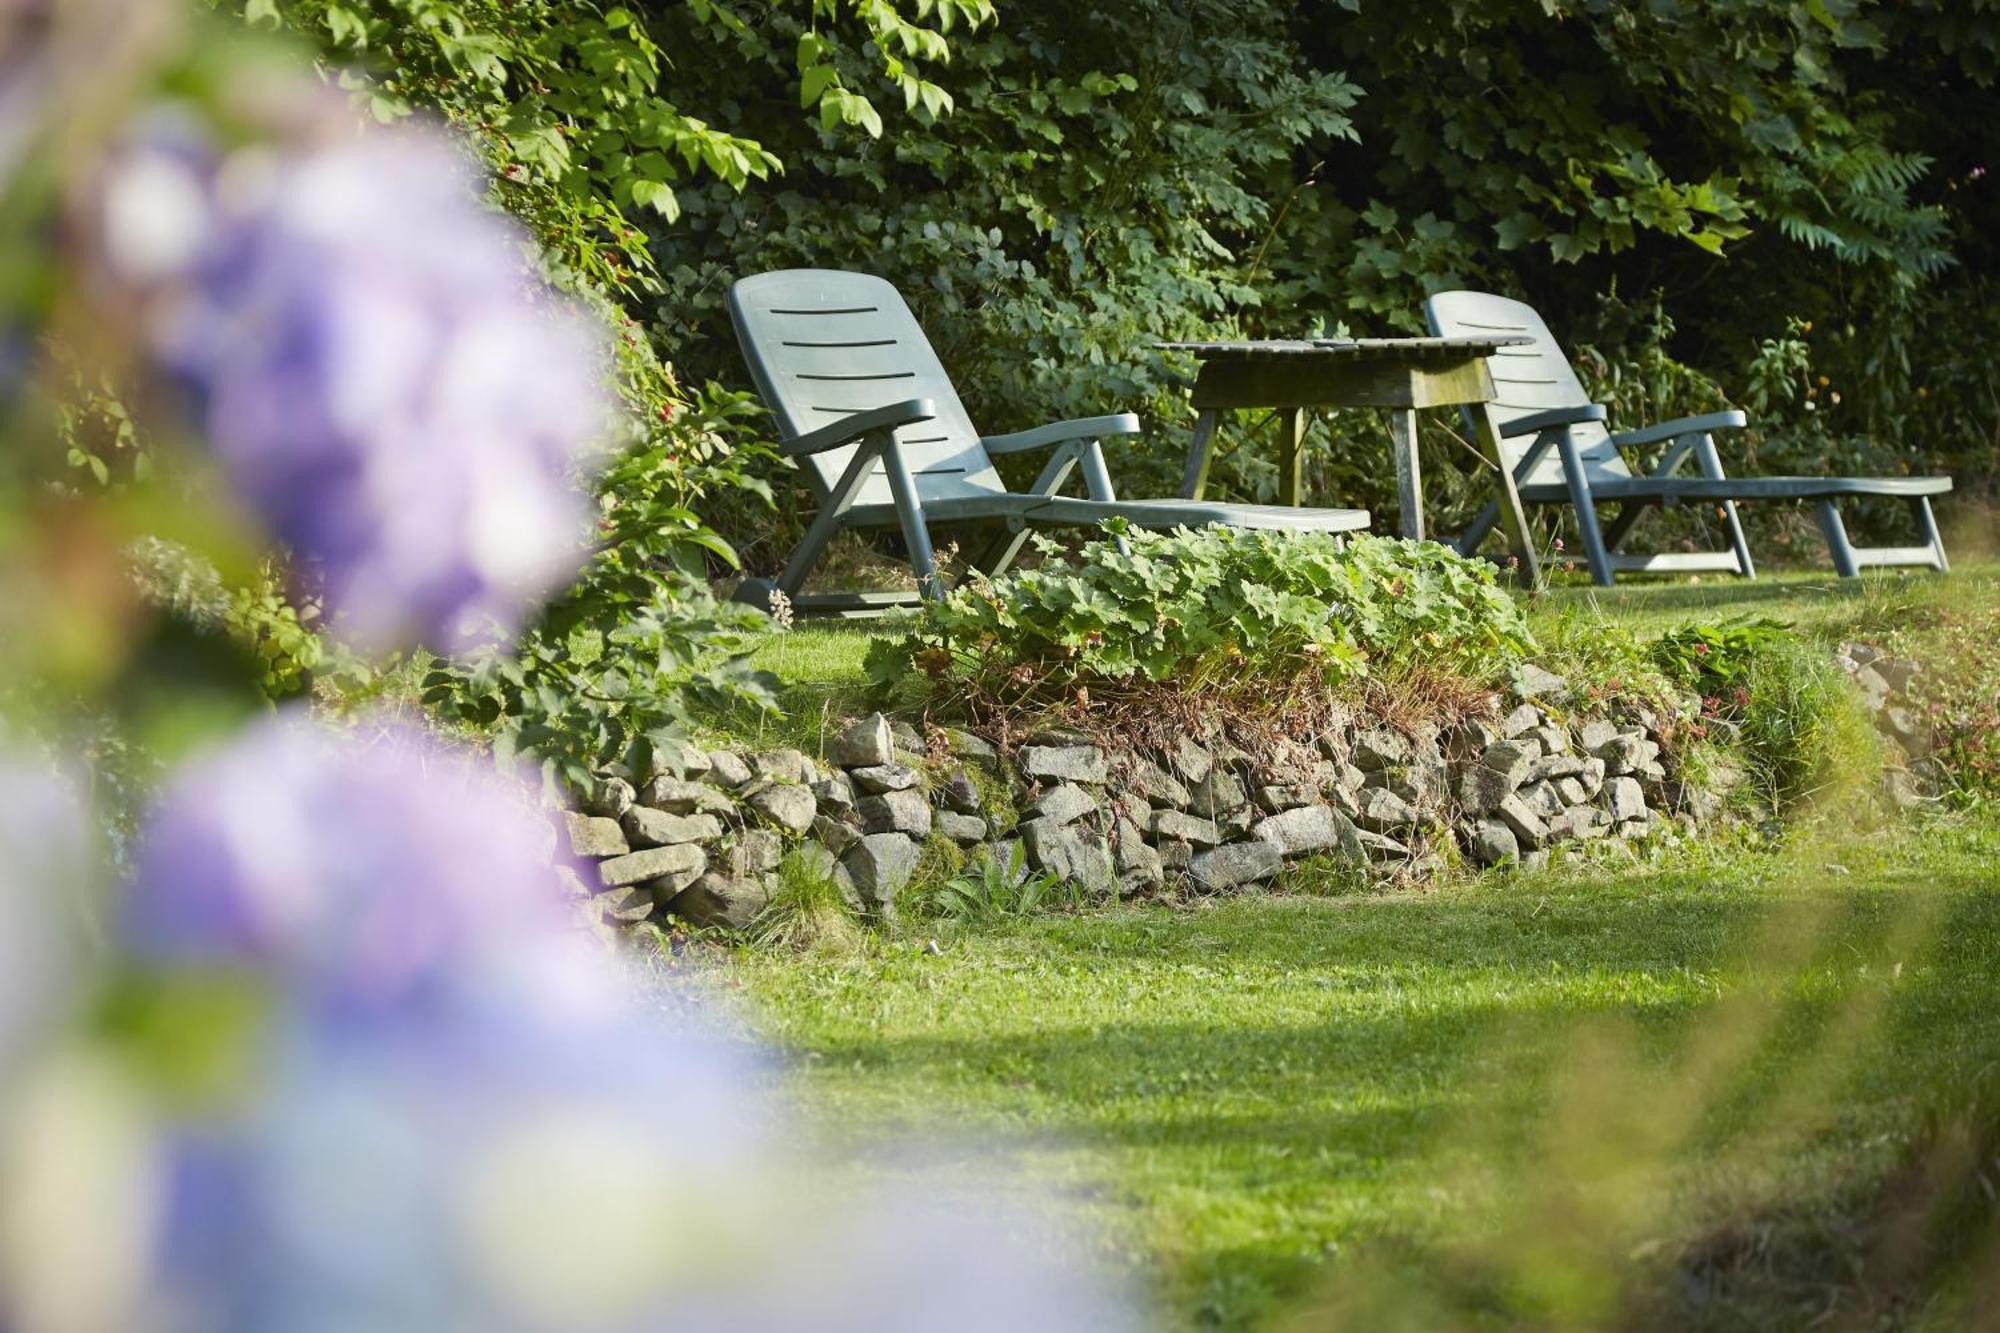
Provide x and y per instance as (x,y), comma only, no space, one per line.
(576,696)
(1717,661)
(1209,609)
(274,631)
(1803,731)
(1600,654)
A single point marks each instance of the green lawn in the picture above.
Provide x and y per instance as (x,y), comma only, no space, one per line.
(1237,1090)
(1521,1095)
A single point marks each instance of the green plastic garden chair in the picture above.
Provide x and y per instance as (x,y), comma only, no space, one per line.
(1556,441)
(861,397)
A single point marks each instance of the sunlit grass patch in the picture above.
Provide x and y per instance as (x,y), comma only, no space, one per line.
(1251,1091)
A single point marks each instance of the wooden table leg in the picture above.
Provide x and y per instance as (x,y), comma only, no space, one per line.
(1291,455)
(1513,517)
(1194,477)
(1409,476)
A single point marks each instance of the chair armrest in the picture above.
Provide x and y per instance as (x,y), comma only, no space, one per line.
(1668,430)
(1553,418)
(1041,437)
(849,429)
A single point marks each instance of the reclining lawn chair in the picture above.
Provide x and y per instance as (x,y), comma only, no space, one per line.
(860,395)
(1573,459)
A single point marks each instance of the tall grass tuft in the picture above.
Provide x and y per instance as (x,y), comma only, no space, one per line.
(808,912)
(1810,742)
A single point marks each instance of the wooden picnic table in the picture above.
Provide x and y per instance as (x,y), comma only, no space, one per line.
(1404,375)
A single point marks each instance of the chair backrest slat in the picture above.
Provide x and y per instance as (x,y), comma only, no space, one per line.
(1526,380)
(823,344)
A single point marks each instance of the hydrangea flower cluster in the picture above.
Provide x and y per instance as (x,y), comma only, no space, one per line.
(389,385)
(366,874)
(467,1116)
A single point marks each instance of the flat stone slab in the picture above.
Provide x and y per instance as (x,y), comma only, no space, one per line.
(1064,803)
(717,900)
(1381,748)
(878,778)
(679,797)
(1235,864)
(1308,829)
(896,812)
(647,827)
(651,864)
(1384,811)
(1066,763)
(965,829)
(594,836)
(1179,826)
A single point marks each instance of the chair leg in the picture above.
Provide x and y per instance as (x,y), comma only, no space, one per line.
(1097,483)
(1927,531)
(803,558)
(806,555)
(1737,540)
(910,513)
(1000,555)
(1003,550)
(1837,544)
(1594,550)
(1711,467)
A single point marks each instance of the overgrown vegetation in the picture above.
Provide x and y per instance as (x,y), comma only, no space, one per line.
(988,889)
(569,104)
(1057,189)
(1751,201)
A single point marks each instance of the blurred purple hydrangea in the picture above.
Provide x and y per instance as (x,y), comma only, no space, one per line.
(600,1176)
(469,1117)
(389,385)
(371,874)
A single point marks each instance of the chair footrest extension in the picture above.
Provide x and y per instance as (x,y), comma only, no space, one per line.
(1866,556)
(1676,562)
(854,605)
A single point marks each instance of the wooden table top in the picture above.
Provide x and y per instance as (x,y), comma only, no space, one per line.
(1414,348)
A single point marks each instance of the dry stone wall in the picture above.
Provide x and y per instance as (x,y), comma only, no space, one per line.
(703,844)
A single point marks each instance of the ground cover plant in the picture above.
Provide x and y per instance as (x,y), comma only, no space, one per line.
(1219,619)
